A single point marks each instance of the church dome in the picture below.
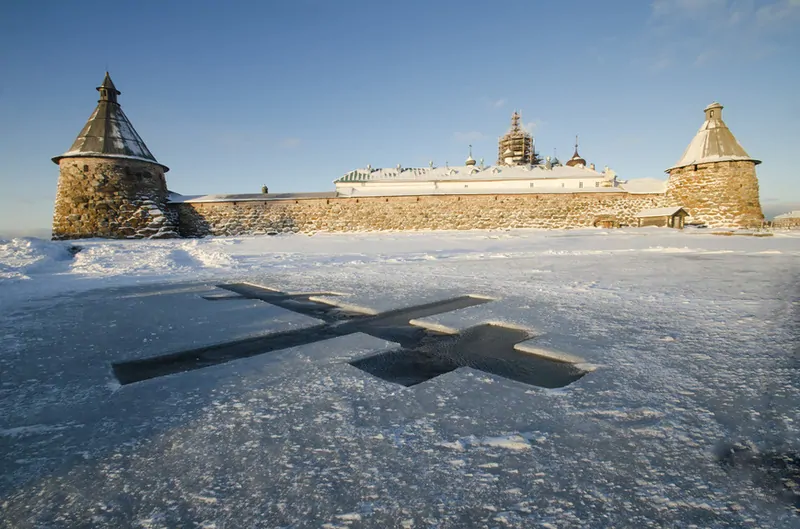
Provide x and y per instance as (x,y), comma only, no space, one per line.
(470,159)
(576,158)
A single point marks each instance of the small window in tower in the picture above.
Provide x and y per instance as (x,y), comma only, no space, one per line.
(597,184)
(531,184)
(85,167)
(711,114)
(580,184)
(466,185)
(562,184)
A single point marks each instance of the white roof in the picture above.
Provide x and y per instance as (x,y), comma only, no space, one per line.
(177,198)
(659,212)
(714,142)
(645,185)
(411,191)
(466,172)
(791,215)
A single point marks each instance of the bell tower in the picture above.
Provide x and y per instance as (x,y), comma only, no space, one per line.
(516,147)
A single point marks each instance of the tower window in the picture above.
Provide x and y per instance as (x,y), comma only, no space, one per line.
(531,184)
(86,168)
(580,184)
(597,184)
(562,184)
(711,114)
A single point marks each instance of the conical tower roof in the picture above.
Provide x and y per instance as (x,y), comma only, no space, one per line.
(109,133)
(714,142)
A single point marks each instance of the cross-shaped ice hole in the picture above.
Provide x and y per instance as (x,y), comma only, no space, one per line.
(424,354)
(488,348)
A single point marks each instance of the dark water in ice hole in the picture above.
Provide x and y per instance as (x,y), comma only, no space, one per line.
(423,355)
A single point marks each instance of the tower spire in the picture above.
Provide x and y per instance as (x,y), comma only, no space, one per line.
(576,158)
(515,147)
(108,92)
(470,159)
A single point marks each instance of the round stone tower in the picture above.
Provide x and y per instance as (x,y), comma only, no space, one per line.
(110,185)
(715,179)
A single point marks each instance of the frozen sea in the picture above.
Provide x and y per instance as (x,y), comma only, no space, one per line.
(688,414)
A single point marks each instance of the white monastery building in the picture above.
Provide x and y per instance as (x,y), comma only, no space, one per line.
(518,171)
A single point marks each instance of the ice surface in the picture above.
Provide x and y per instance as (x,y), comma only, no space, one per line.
(694,338)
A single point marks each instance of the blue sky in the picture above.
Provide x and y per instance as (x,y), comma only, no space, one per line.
(294,94)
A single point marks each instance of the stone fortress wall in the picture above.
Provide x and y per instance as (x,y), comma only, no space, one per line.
(425,212)
(110,185)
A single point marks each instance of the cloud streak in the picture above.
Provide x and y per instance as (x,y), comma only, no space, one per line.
(290,143)
(696,33)
(468,137)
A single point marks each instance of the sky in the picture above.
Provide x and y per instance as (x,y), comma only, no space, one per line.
(234,95)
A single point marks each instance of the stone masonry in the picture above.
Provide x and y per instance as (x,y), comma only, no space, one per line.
(111,198)
(110,185)
(448,212)
(720,194)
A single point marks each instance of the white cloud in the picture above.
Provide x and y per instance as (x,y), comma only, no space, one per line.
(696,33)
(783,13)
(686,8)
(532,126)
(499,103)
(290,143)
(468,137)
(733,15)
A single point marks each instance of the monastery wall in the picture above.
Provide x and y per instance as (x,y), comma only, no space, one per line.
(443,212)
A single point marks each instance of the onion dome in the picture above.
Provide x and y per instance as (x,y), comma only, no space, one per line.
(576,158)
(470,159)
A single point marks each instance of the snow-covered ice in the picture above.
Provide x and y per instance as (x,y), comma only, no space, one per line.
(691,338)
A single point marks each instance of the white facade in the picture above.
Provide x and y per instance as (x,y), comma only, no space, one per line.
(472,179)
